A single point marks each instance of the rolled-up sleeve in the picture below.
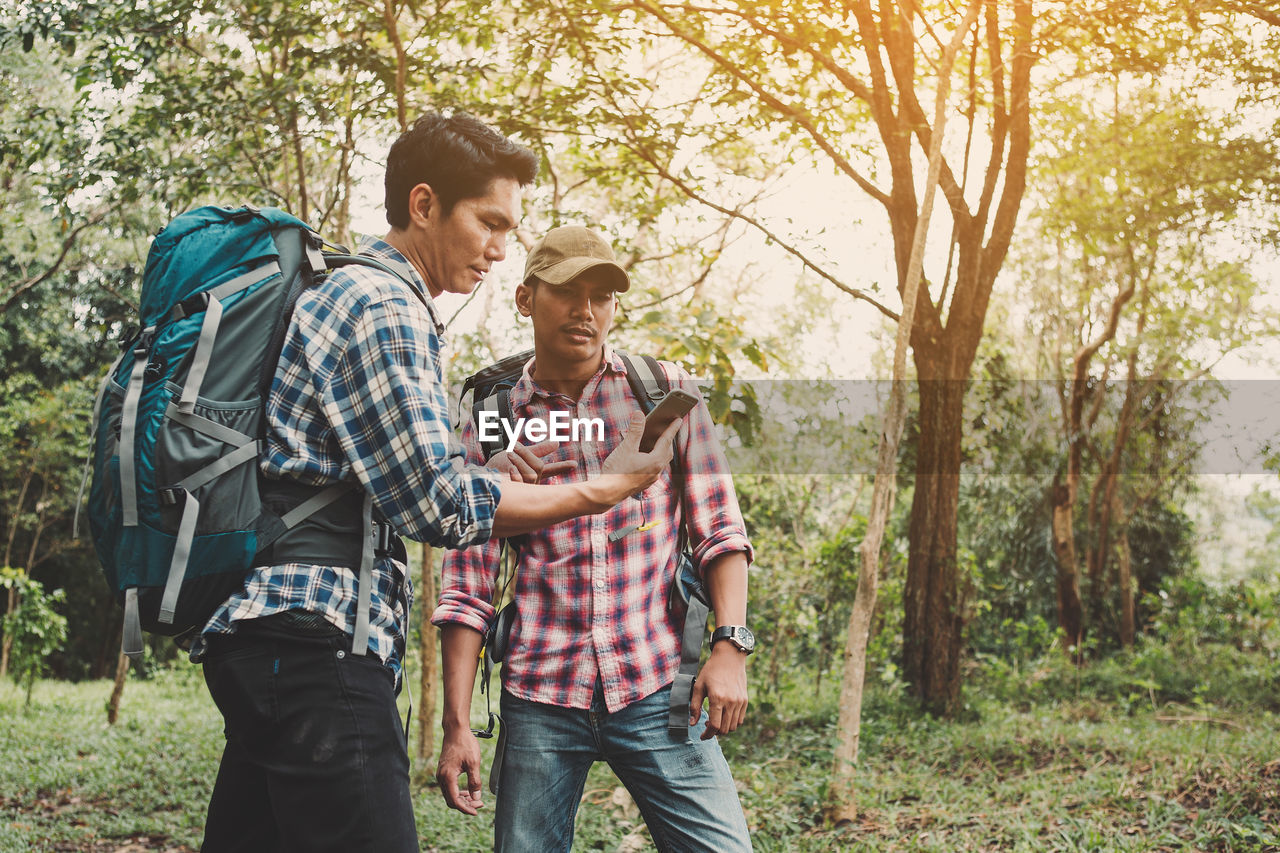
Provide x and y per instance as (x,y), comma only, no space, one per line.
(714,518)
(388,408)
(469,574)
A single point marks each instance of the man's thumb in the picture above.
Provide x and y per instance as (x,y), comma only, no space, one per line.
(695,703)
(634,430)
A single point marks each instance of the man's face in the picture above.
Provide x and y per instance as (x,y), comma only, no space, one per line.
(570,321)
(459,248)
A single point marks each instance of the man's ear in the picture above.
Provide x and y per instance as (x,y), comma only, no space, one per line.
(422,201)
(524,299)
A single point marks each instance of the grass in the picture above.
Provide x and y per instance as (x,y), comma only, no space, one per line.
(1077,775)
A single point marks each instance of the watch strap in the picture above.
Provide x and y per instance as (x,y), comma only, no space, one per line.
(730,633)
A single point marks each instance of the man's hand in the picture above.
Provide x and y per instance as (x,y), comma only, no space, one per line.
(459,756)
(627,471)
(525,463)
(722,682)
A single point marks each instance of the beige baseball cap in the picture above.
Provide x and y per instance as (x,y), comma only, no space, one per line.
(567,252)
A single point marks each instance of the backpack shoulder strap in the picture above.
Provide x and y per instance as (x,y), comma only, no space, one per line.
(649,383)
(333,260)
(648,380)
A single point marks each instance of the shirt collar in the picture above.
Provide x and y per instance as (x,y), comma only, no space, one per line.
(381,250)
(527,387)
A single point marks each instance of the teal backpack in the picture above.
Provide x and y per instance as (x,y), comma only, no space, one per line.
(178,510)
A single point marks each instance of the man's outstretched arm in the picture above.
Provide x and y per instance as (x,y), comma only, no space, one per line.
(525,507)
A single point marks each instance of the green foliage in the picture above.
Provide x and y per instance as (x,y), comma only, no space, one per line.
(67,778)
(1263,556)
(57,350)
(1003,508)
(1071,775)
(1205,646)
(34,629)
(1013,451)
(1149,193)
(803,495)
(704,341)
(123,113)
(1188,611)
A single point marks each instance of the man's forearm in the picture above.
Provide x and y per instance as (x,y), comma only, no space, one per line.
(459,653)
(726,581)
(525,507)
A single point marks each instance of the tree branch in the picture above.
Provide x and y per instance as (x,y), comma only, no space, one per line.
(764,229)
(1257,10)
(68,242)
(788,111)
(825,60)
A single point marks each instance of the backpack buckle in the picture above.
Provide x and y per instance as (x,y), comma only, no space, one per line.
(143,345)
(384,537)
(170,496)
(191,305)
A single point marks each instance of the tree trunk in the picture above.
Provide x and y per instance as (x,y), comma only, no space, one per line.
(1076,426)
(944,349)
(113,705)
(933,624)
(390,19)
(7,644)
(842,804)
(428,652)
(1104,502)
(1125,581)
(1070,607)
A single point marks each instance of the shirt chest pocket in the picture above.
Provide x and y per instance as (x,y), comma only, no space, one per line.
(661,488)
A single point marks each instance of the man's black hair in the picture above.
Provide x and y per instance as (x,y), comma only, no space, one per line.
(458,156)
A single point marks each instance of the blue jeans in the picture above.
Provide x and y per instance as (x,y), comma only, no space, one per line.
(682,785)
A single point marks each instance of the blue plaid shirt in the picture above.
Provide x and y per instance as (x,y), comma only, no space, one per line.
(360,396)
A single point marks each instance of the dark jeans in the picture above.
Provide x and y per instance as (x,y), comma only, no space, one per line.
(316,757)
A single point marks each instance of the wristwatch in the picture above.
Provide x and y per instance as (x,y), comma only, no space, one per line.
(739,635)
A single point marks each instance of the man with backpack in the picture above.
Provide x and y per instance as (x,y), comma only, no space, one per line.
(316,756)
(594,648)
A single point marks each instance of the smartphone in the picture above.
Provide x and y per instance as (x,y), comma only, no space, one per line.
(675,404)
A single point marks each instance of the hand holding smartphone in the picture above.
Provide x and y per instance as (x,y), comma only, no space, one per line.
(674,405)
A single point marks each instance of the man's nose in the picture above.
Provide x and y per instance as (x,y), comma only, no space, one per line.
(497,248)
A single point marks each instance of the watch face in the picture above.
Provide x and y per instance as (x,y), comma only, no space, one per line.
(746,639)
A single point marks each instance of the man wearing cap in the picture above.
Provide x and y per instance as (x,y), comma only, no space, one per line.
(593,649)
(305,661)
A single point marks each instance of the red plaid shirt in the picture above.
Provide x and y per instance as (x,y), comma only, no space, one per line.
(589,606)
